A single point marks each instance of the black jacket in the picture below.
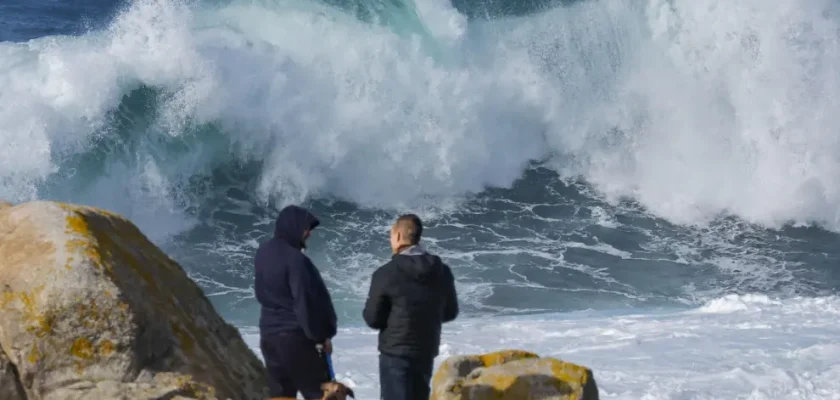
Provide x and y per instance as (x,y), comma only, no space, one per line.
(291,292)
(410,298)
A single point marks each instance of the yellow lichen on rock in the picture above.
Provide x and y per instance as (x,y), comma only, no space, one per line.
(501,357)
(512,374)
(106,347)
(34,355)
(82,348)
(187,385)
(27,303)
(87,298)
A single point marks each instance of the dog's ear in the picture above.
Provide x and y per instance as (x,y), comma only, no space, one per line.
(350,393)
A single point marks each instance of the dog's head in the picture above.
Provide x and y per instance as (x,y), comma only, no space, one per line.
(336,391)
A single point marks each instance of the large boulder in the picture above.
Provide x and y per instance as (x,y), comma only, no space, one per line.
(512,375)
(91,309)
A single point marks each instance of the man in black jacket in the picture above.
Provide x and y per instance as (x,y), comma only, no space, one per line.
(297,312)
(410,298)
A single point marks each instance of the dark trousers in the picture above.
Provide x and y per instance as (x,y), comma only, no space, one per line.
(294,365)
(403,378)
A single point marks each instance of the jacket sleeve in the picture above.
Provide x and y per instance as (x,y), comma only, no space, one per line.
(450,309)
(378,305)
(312,303)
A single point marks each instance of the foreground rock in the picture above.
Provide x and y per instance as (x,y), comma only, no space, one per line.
(10,388)
(512,375)
(90,309)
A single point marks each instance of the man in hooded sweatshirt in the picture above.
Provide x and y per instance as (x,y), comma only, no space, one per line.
(297,312)
(410,298)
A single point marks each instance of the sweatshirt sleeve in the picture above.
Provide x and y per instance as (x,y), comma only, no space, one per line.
(377,305)
(450,310)
(312,303)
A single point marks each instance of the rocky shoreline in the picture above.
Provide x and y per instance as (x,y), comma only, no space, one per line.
(91,309)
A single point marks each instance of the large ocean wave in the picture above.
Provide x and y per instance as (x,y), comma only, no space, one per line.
(693,108)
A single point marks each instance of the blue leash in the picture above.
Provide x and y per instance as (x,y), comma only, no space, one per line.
(330,366)
(328,359)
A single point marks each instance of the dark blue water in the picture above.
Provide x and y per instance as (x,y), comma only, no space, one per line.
(22,20)
(543,245)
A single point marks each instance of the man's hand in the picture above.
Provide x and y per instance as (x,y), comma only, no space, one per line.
(328,346)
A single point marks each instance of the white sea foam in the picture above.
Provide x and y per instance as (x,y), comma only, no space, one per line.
(735,347)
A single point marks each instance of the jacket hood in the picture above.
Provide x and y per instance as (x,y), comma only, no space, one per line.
(418,264)
(292,222)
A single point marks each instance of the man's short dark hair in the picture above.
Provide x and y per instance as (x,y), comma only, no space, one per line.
(410,226)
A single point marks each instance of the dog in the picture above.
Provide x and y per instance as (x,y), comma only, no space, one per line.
(332,391)
(336,391)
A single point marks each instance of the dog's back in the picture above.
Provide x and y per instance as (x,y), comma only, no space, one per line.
(336,391)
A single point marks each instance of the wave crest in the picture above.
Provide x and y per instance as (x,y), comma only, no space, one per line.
(693,108)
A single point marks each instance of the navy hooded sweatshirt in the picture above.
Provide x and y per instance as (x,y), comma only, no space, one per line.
(291,292)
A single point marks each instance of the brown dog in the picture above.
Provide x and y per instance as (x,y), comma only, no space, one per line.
(336,391)
(332,391)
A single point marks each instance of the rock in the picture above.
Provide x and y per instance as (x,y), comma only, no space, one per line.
(10,388)
(512,374)
(91,309)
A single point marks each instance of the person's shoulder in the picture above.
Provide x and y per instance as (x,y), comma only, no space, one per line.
(385,267)
(385,270)
(266,248)
(447,270)
(280,252)
(286,250)
(264,244)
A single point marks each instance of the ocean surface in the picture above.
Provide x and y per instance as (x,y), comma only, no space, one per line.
(650,188)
